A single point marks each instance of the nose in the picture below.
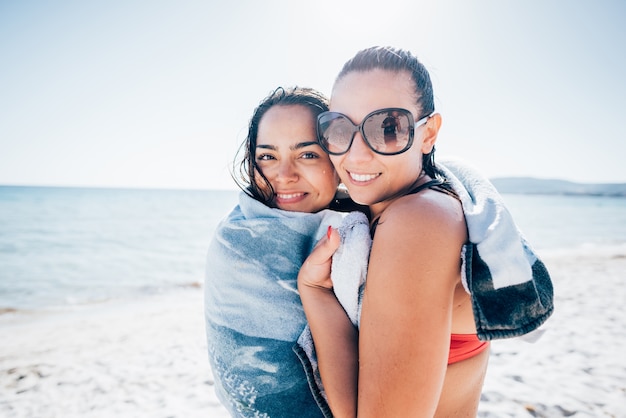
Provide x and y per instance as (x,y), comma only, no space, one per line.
(287,171)
(359,150)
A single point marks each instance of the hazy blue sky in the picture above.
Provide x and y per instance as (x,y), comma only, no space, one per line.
(159,93)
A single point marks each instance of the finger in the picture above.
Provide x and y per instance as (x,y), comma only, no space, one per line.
(325,248)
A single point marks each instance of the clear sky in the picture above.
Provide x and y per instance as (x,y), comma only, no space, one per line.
(159,93)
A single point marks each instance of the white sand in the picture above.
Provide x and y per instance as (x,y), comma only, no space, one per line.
(142,359)
(147,358)
(578,367)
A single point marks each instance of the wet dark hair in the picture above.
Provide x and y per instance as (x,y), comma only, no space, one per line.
(398,60)
(245,172)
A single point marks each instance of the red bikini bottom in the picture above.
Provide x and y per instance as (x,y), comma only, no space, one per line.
(464,346)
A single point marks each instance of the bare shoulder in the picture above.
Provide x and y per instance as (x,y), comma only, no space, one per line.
(417,248)
(429,214)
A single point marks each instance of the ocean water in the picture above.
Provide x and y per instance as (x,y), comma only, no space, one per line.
(61,246)
(72,246)
(575,224)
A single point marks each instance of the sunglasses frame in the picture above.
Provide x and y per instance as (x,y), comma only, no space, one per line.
(412,127)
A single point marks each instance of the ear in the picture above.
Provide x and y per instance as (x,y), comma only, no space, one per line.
(431,130)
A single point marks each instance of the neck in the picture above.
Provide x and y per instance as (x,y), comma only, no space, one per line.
(378,208)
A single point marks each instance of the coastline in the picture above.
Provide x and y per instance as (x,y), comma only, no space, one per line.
(148,358)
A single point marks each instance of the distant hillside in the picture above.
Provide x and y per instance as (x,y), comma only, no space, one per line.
(529,185)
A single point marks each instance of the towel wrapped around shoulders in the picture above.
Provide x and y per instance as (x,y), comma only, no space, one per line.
(254,316)
(253,311)
(510,287)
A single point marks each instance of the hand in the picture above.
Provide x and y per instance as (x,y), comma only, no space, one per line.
(315,272)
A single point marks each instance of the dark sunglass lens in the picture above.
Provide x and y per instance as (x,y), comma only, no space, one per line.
(335,132)
(387,131)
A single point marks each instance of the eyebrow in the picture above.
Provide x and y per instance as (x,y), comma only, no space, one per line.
(299,145)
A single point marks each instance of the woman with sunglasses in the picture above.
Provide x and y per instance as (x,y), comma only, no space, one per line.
(416,352)
(252,309)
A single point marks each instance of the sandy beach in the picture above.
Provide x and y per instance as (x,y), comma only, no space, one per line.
(147,358)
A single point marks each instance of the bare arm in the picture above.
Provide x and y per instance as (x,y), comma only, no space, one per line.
(334,336)
(402,350)
(407,307)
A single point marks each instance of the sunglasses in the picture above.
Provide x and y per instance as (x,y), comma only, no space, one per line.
(386,131)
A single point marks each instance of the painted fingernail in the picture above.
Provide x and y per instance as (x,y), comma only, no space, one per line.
(329,231)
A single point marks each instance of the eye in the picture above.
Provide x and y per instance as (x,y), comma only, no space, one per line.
(309,155)
(265,157)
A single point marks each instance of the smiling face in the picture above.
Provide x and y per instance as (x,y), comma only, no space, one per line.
(288,155)
(373,179)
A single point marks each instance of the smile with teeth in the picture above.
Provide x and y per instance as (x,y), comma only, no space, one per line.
(287,196)
(363,177)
